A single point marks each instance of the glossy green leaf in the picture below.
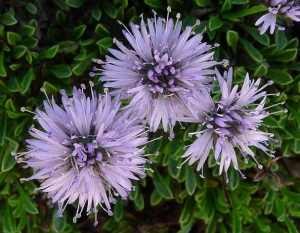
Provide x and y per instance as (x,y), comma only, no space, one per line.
(3,121)
(60,18)
(190,182)
(75,3)
(255,33)
(27,30)
(8,161)
(161,186)
(20,128)
(50,88)
(13,38)
(155,198)
(232,39)
(119,210)
(251,50)
(214,22)
(61,70)
(2,67)
(248,11)
(9,223)
(187,211)
(58,223)
(49,53)
(110,9)
(27,202)
(204,3)
(62,4)
(106,42)
(78,32)
(281,39)
(279,76)
(31,8)
(155,4)
(27,79)
(81,66)
(8,19)
(271,122)
(19,51)
(285,55)
(226,6)
(270,50)
(239,1)
(236,221)
(96,13)
(101,30)
(139,202)
(260,71)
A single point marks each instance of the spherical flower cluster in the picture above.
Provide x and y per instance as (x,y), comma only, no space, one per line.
(159,70)
(286,9)
(232,121)
(88,151)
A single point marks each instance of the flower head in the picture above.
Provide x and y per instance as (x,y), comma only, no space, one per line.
(288,10)
(159,69)
(232,121)
(88,151)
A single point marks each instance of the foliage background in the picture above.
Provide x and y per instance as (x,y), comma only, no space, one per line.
(50,44)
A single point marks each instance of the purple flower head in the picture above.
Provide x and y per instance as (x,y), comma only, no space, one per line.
(286,9)
(231,122)
(159,69)
(88,151)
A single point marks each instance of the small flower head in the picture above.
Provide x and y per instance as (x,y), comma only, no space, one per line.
(286,9)
(88,151)
(231,122)
(159,69)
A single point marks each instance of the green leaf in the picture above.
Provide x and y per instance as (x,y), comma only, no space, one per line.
(123,3)
(106,42)
(232,38)
(68,47)
(119,210)
(292,44)
(161,186)
(236,221)
(269,50)
(61,70)
(280,211)
(139,202)
(9,223)
(20,127)
(3,120)
(96,13)
(81,66)
(239,1)
(27,30)
(30,42)
(78,32)
(101,30)
(13,38)
(226,6)
(251,50)
(13,84)
(172,167)
(110,9)
(280,39)
(19,51)
(8,161)
(204,3)
(255,33)
(81,55)
(60,18)
(2,67)
(27,80)
(27,202)
(187,211)
(50,87)
(8,19)
(234,178)
(155,4)
(285,55)
(75,3)
(290,225)
(249,11)
(271,122)
(260,71)
(49,53)
(31,8)
(62,4)
(58,223)
(279,76)
(190,182)
(155,198)
(214,22)
(28,57)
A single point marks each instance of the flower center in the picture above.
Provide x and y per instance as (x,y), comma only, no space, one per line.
(162,75)
(86,151)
